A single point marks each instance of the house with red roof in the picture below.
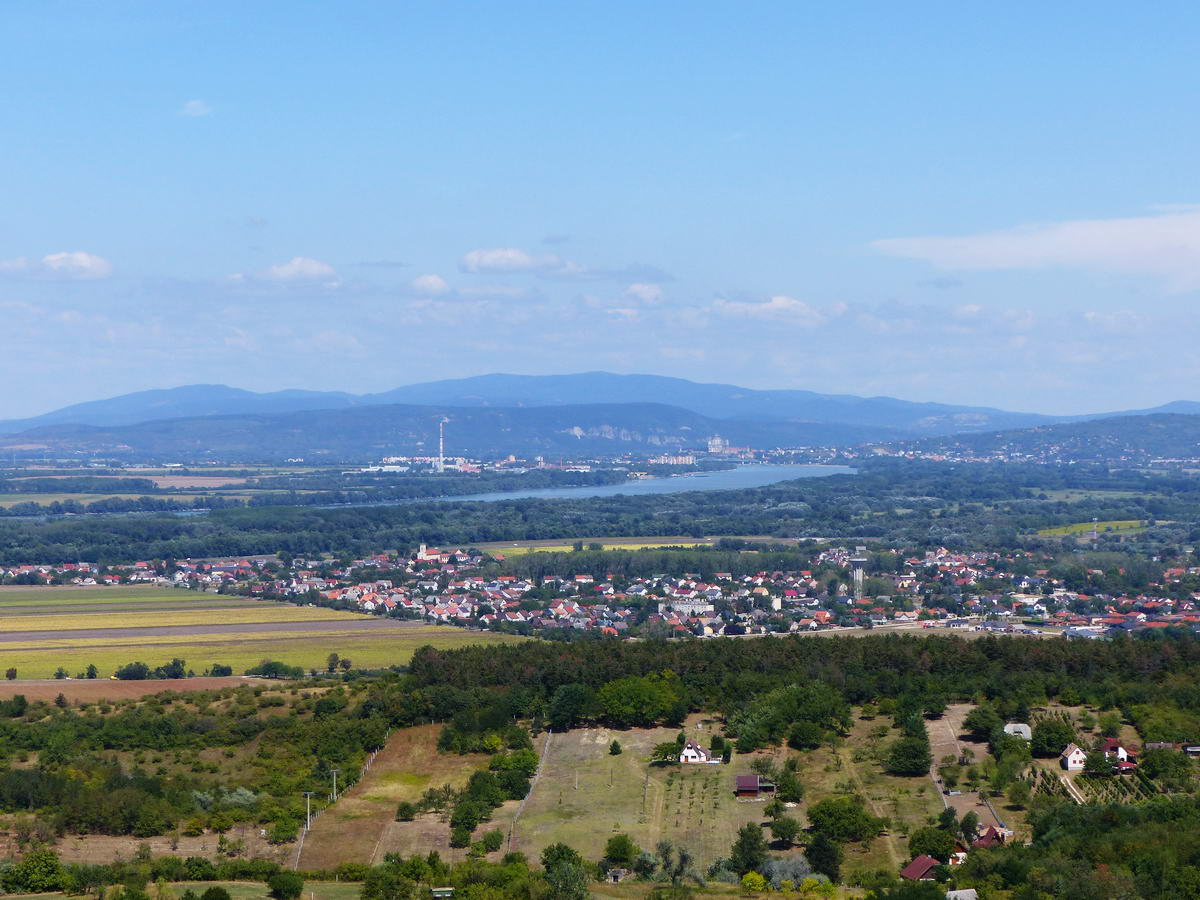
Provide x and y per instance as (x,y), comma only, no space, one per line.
(920,869)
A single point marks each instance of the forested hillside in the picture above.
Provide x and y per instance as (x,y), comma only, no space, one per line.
(1124,440)
(362,434)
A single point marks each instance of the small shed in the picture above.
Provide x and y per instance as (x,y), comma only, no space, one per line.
(1020,729)
(752,787)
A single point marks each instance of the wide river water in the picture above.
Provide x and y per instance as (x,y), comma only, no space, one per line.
(724,480)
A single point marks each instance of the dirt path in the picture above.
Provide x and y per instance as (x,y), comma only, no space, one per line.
(889,841)
(943,739)
(1075,793)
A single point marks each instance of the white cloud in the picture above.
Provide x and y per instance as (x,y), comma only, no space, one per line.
(194,109)
(1019,319)
(505,260)
(510,259)
(69,264)
(779,308)
(1166,246)
(299,271)
(429,285)
(1120,321)
(507,291)
(300,268)
(77,264)
(645,292)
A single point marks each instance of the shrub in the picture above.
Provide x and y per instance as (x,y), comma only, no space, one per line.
(406,812)
(282,832)
(621,850)
(754,882)
(134,671)
(285,885)
(492,840)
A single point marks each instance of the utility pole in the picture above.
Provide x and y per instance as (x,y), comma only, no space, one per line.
(335,775)
(307,810)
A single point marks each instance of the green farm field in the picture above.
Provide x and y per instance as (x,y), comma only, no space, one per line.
(1083,528)
(43,629)
(518,548)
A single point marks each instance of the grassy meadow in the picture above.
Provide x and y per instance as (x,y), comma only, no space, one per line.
(362,826)
(585,795)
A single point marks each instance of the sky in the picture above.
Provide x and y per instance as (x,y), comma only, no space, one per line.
(987,204)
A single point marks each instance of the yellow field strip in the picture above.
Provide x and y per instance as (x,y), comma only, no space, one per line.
(137,619)
(234,637)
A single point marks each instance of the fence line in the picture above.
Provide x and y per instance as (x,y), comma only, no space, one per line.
(362,772)
(532,784)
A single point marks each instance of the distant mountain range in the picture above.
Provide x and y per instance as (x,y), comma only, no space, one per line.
(370,432)
(591,412)
(1135,439)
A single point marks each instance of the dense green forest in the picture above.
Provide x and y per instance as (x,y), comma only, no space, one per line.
(1154,677)
(914,503)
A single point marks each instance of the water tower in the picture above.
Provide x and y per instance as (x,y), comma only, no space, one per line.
(858,568)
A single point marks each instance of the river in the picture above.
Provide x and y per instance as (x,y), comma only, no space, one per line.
(724,480)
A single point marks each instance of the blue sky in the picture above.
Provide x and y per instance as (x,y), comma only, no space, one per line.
(936,201)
